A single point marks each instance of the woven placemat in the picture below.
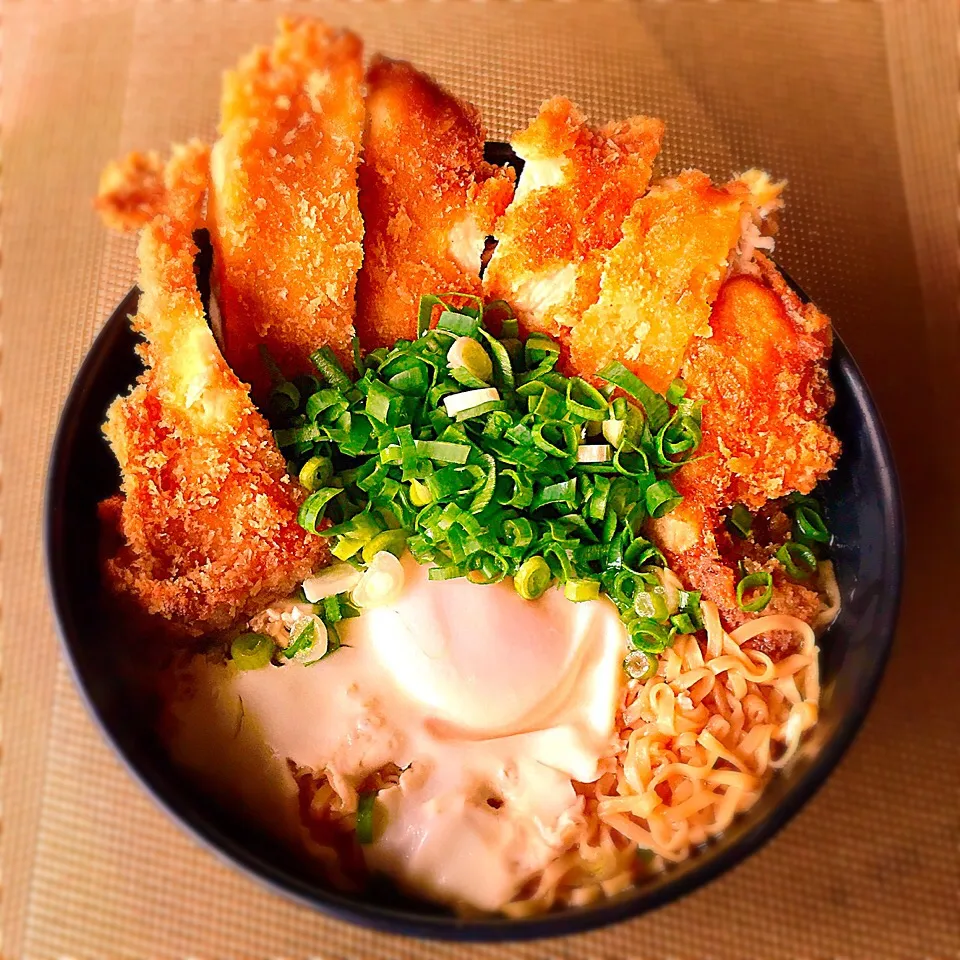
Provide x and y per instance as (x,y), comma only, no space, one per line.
(854,102)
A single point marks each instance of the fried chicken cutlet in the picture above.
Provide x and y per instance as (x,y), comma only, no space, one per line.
(285,220)
(763,380)
(207,518)
(131,191)
(428,198)
(577,186)
(658,283)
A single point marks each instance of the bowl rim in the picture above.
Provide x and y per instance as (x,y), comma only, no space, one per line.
(495,928)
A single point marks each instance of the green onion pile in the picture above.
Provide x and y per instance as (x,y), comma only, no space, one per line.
(471,451)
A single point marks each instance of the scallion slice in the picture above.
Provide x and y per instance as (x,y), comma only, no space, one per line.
(251,651)
(658,413)
(751,583)
(593,453)
(533,578)
(640,666)
(366,805)
(581,590)
(312,509)
(798,559)
(456,403)
(741,520)
(648,635)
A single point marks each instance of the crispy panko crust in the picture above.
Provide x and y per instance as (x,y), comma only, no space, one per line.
(207,519)
(577,186)
(762,376)
(659,281)
(285,220)
(428,198)
(131,192)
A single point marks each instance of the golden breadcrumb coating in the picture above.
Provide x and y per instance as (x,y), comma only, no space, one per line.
(577,186)
(428,198)
(659,281)
(208,516)
(762,376)
(285,221)
(131,191)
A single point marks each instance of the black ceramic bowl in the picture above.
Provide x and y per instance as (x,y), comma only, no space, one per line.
(863,508)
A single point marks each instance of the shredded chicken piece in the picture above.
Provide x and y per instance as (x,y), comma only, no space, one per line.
(577,186)
(131,191)
(207,520)
(285,219)
(660,280)
(428,198)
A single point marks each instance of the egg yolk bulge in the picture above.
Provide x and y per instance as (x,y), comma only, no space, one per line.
(490,703)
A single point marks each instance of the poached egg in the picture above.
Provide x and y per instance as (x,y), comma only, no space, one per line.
(492,705)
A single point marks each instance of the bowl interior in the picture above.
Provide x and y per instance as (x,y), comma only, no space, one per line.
(863,509)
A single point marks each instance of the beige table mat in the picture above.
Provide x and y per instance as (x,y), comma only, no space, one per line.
(855,102)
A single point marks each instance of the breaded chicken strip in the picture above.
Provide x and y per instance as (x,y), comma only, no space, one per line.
(660,280)
(285,222)
(577,186)
(428,198)
(763,379)
(207,516)
(762,375)
(131,191)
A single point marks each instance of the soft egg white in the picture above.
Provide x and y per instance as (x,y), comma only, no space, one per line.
(492,704)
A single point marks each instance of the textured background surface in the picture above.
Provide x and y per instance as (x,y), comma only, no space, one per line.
(854,102)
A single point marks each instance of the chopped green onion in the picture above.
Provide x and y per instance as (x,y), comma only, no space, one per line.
(366,804)
(613,431)
(326,362)
(312,509)
(315,473)
(467,353)
(251,651)
(752,582)
(381,583)
(284,398)
(425,312)
(560,441)
(337,578)
(675,392)
(640,666)
(661,498)
(533,578)
(420,494)
(580,590)
(684,623)
(688,602)
(386,404)
(458,323)
(346,547)
(457,403)
(741,520)
(585,401)
(443,452)
(393,541)
(651,605)
(648,635)
(593,453)
(308,639)
(658,413)
(808,525)
(798,559)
